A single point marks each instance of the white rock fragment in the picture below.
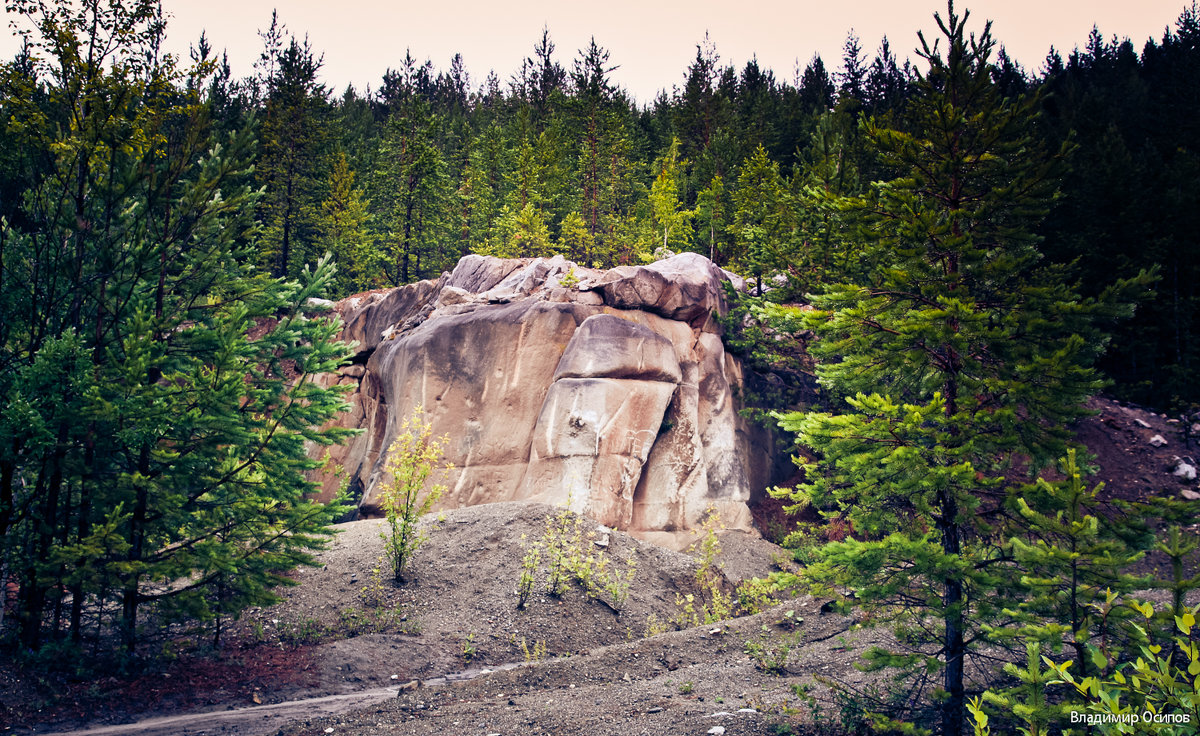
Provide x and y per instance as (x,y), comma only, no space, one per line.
(1142,422)
(450,295)
(749,711)
(1189,495)
(1184,469)
(1158,440)
(717,730)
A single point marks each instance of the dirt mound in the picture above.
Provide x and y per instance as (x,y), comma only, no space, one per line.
(346,630)
(459,606)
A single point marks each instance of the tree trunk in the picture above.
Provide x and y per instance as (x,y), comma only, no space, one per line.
(130,595)
(954,708)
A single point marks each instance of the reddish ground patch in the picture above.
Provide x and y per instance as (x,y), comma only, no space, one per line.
(239,675)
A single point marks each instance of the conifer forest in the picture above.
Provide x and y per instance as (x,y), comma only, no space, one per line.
(979,248)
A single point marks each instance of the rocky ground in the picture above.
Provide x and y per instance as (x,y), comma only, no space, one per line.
(344,636)
(465,659)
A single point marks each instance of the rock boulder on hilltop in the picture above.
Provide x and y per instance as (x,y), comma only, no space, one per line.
(608,390)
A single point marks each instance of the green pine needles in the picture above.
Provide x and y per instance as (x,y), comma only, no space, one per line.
(156,392)
(957,355)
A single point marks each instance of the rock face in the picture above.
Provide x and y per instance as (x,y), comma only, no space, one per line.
(607,390)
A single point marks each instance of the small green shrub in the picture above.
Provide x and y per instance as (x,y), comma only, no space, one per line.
(569,280)
(654,626)
(304,631)
(412,458)
(1158,692)
(571,556)
(713,603)
(373,593)
(770,651)
(536,653)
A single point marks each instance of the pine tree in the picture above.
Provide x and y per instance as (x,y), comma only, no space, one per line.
(294,138)
(852,79)
(763,222)
(482,189)
(411,193)
(670,217)
(698,108)
(957,352)
(886,85)
(831,174)
(1072,560)
(153,451)
(712,204)
(816,88)
(342,230)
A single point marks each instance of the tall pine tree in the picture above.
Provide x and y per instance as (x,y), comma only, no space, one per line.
(957,353)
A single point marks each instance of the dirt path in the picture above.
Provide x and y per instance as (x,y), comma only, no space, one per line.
(258,719)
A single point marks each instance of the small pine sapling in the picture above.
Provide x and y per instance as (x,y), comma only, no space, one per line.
(1071,560)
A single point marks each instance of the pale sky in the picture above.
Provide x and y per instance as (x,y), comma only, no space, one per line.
(652,41)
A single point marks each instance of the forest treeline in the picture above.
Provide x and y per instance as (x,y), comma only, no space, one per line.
(427,165)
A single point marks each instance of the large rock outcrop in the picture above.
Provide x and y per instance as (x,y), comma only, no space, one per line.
(607,390)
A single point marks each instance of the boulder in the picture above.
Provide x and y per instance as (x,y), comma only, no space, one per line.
(616,396)
(686,287)
(606,345)
(369,317)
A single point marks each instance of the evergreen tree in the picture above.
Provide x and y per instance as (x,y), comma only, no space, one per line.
(886,84)
(670,218)
(1072,561)
(153,452)
(604,150)
(712,217)
(547,78)
(763,225)
(825,250)
(698,108)
(816,88)
(294,140)
(342,230)
(956,353)
(852,79)
(411,192)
